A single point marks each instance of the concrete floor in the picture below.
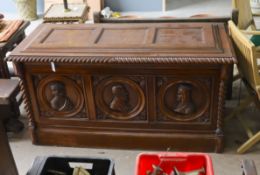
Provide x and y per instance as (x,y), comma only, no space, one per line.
(227,163)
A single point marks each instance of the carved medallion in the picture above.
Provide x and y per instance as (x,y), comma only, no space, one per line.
(59,96)
(119,98)
(183,100)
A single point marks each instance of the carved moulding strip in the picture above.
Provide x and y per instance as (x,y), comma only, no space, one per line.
(114,109)
(171,114)
(75,106)
(123,60)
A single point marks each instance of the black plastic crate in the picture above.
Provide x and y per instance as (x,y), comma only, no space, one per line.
(95,166)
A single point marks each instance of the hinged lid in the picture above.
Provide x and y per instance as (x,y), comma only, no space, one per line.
(130,43)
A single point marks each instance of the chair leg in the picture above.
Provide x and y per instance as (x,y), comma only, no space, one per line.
(245,126)
(242,106)
(249,143)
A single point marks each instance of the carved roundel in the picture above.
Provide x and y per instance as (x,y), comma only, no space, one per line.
(120,98)
(183,100)
(60,95)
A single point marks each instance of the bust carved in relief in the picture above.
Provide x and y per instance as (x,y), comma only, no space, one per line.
(59,100)
(120,100)
(185,104)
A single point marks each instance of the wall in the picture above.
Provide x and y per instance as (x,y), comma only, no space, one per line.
(134,5)
(7,6)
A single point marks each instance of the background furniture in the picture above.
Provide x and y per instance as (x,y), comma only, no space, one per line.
(135,5)
(98,18)
(13,109)
(9,45)
(94,5)
(150,86)
(57,13)
(9,89)
(246,27)
(245,18)
(249,72)
(48,3)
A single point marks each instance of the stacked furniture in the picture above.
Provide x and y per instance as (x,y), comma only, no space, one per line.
(248,57)
(249,71)
(9,89)
(16,32)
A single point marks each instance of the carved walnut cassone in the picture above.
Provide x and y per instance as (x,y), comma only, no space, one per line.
(142,86)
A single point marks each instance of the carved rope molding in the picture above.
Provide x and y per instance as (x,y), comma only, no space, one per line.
(26,100)
(221,101)
(27,107)
(123,60)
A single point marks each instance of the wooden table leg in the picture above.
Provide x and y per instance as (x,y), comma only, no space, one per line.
(4,73)
(10,110)
(7,163)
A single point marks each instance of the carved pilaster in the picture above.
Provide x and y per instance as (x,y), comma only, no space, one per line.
(26,100)
(221,100)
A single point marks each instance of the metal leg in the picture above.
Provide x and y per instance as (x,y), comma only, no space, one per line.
(249,167)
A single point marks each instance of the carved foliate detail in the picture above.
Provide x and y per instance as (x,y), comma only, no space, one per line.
(120,98)
(183,100)
(60,96)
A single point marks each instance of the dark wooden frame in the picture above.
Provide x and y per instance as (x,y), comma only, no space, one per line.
(94,69)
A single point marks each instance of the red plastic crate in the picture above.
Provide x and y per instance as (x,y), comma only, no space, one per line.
(184,162)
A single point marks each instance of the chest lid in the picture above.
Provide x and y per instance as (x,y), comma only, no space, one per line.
(114,42)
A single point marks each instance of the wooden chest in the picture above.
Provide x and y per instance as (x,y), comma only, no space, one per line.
(142,86)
